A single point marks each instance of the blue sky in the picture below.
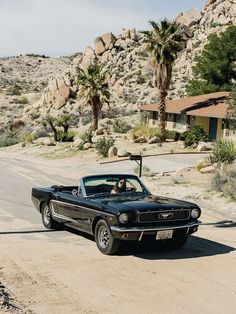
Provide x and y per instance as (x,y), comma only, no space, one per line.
(63,27)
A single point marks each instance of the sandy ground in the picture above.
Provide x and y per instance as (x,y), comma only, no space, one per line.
(48,272)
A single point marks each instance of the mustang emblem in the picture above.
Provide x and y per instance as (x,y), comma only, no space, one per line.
(165,215)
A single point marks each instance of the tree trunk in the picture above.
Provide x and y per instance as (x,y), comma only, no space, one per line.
(95,114)
(162,115)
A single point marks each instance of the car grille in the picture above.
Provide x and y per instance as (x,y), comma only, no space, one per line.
(162,216)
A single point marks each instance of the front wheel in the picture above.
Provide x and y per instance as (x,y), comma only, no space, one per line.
(47,219)
(104,239)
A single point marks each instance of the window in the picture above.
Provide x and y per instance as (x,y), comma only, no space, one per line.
(180,120)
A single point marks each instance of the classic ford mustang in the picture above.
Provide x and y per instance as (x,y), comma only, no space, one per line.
(117,208)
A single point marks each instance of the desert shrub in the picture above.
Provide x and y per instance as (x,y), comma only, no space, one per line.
(194,136)
(201,165)
(120,126)
(67,136)
(34,115)
(229,189)
(24,100)
(8,139)
(172,135)
(27,138)
(87,136)
(103,145)
(145,170)
(145,131)
(224,180)
(218,181)
(14,90)
(224,151)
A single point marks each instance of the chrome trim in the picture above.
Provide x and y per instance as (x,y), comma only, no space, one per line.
(140,237)
(143,229)
(54,214)
(79,206)
(165,211)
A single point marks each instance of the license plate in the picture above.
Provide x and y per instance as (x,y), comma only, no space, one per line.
(165,234)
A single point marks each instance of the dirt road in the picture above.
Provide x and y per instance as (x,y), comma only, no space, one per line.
(62,271)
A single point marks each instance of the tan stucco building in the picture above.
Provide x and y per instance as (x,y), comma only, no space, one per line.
(207,110)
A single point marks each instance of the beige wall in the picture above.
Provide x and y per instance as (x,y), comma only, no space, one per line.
(204,122)
(219,133)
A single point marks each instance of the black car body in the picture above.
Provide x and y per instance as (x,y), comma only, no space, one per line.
(93,207)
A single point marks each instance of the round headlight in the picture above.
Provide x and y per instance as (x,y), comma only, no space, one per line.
(123,218)
(195,213)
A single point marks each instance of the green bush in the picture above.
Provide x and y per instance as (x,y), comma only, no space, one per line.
(120,126)
(172,135)
(145,131)
(87,136)
(194,136)
(65,136)
(8,139)
(24,100)
(103,145)
(224,151)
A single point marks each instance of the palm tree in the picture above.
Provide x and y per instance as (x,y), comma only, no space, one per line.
(163,42)
(94,89)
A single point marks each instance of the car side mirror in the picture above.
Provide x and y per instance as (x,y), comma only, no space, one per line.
(74,192)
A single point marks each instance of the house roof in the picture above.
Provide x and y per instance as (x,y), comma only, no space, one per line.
(208,105)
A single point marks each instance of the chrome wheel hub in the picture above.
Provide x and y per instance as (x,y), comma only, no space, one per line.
(46,215)
(103,237)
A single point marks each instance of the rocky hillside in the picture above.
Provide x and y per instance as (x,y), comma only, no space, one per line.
(130,74)
(128,65)
(22,81)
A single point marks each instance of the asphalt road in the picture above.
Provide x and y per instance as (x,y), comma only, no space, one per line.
(48,272)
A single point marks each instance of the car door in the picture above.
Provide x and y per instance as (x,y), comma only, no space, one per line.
(76,211)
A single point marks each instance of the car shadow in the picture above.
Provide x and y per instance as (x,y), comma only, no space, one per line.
(194,248)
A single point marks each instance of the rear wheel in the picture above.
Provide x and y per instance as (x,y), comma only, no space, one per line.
(104,239)
(47,219)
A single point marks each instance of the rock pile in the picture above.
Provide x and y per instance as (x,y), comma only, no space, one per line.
(128,65)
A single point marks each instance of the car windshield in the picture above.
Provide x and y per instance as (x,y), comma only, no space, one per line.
(112,184)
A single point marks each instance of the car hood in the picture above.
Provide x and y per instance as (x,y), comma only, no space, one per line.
(142,204)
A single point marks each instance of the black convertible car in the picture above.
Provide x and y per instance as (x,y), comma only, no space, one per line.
(117,208)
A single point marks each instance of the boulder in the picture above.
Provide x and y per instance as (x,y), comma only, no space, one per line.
(63,88)
(78,142)
(125,33)
(122,153)
(108,39)
(49,142)
(140,139)
(100,131)
(154,140)
(88,57)
(189,18)
(209,169)
(112,152)
(203,147)
(87,146)
(208,3)
(99,46)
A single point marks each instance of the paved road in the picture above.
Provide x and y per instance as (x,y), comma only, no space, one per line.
(63,271)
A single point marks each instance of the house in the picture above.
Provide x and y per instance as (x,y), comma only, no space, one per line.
(208,110)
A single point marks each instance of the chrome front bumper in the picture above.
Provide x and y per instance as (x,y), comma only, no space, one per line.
(136,233)
(158,228)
